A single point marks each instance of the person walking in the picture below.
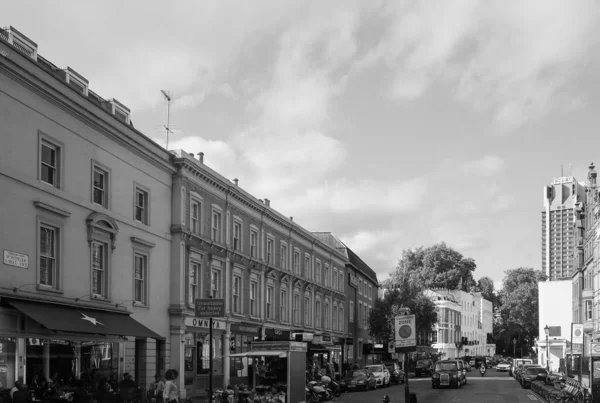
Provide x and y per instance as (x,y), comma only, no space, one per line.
(170,393)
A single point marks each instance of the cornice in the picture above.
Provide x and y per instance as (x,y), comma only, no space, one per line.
(77,110)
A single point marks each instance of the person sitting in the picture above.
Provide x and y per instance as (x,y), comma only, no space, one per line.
(22,395)
(16,387)
(127,381)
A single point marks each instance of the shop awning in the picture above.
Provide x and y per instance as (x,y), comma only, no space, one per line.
(317,348)
(72,319)
(280,354)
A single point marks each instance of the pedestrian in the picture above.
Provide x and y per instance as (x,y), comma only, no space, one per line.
(170,393)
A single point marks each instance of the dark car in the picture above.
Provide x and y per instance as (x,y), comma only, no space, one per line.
(446,373)
(522,368)
(356,379)
(396,373)
(423,367)
(533,374)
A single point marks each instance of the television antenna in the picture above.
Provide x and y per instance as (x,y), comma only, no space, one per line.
(167,127)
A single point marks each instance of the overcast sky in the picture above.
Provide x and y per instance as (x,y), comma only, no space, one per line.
(392,124)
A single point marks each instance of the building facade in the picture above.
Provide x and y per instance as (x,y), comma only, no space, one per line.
(278,280)
(555,311)
(85,243)
(446,334)
(558,231)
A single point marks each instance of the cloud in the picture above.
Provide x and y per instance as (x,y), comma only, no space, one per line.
(462,235)
(514,59)
(489,165)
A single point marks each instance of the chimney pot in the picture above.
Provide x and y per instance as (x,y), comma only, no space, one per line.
(291,218)
(201,157)
(236,180)
(268,202)
(192,155)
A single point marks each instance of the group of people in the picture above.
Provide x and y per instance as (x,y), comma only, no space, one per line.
(164,391)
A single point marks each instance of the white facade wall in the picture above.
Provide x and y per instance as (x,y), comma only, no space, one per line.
(555,309)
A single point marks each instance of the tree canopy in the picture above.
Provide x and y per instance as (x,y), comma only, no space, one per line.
(485,286)
(436,266)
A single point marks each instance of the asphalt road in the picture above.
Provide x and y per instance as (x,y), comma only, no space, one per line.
(495,387)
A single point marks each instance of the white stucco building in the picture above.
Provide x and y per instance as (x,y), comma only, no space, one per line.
(555,312)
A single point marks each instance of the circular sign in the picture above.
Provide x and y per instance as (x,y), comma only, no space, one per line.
(405,331)
(391,346)
(596,348)
(577,332)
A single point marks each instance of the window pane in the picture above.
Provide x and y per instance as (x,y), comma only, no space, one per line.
(48,174)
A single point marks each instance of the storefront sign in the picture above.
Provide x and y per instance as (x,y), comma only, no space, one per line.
(16,259)
(279,345)
(209,308)
(204,323)
(562,179)
(595,349)
(353,281)
(241,328)
(277,334)
(326,338)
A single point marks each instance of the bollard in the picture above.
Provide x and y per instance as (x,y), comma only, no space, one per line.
(386,399)
(413,398)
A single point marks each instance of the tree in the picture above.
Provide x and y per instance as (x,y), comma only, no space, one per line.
(400,295)
(436,266)
(485,286)
(519,306)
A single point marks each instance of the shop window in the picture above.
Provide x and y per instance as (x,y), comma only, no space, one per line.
(205,355)
(237,292)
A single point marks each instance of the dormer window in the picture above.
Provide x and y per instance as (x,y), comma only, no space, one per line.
(21,42)
(119,110)
(76,81)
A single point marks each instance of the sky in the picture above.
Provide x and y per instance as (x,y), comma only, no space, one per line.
(391,124)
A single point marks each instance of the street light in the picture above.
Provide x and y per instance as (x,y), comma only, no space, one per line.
(547,331)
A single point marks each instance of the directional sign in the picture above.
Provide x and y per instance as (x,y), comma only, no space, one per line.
(405,331)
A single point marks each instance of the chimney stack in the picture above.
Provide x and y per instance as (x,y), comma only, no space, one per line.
(201,157)
(268,202)
(291,218)
(236,180)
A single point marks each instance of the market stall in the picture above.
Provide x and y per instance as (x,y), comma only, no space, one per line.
(278,373)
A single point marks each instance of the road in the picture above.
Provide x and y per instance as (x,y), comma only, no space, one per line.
(495,387)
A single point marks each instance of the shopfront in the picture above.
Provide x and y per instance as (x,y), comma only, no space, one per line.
(63,342)
(240,341)
(197,354)
(274,334)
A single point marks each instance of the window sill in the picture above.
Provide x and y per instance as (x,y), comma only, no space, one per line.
(141,305)
(100,298)
(48,288)
(254,317)
(238,315)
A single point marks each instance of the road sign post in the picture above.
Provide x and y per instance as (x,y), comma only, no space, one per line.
(209,308)
(406,342)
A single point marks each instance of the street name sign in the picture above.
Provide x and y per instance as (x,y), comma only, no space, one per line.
(209,308)
(405,331)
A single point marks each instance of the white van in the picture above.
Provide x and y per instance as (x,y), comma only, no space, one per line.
(515,364)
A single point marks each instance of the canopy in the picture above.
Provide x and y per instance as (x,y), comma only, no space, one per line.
(78,320)
(275,353)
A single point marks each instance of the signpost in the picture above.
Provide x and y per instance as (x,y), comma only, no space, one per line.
(406,342)
(209,308)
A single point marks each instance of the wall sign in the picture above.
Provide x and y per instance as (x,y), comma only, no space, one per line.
(353,281)
(203,323)
(16,259)
(241,328)
(209,308)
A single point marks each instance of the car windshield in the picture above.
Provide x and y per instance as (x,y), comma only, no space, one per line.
(536,371)
(375,368)
(357,372)
(446,366)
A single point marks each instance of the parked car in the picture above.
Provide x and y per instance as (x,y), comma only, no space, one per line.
(396,372)
(522,368)
(532,374)
(516,362)
(381,373)
(356,379)
(503,366)
(446,373)
(423,367)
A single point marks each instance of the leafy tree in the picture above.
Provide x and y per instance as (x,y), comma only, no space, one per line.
(436,266)
(519,307)
(400,295)
(485,286)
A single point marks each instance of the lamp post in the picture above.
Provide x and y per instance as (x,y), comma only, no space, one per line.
(547,331)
